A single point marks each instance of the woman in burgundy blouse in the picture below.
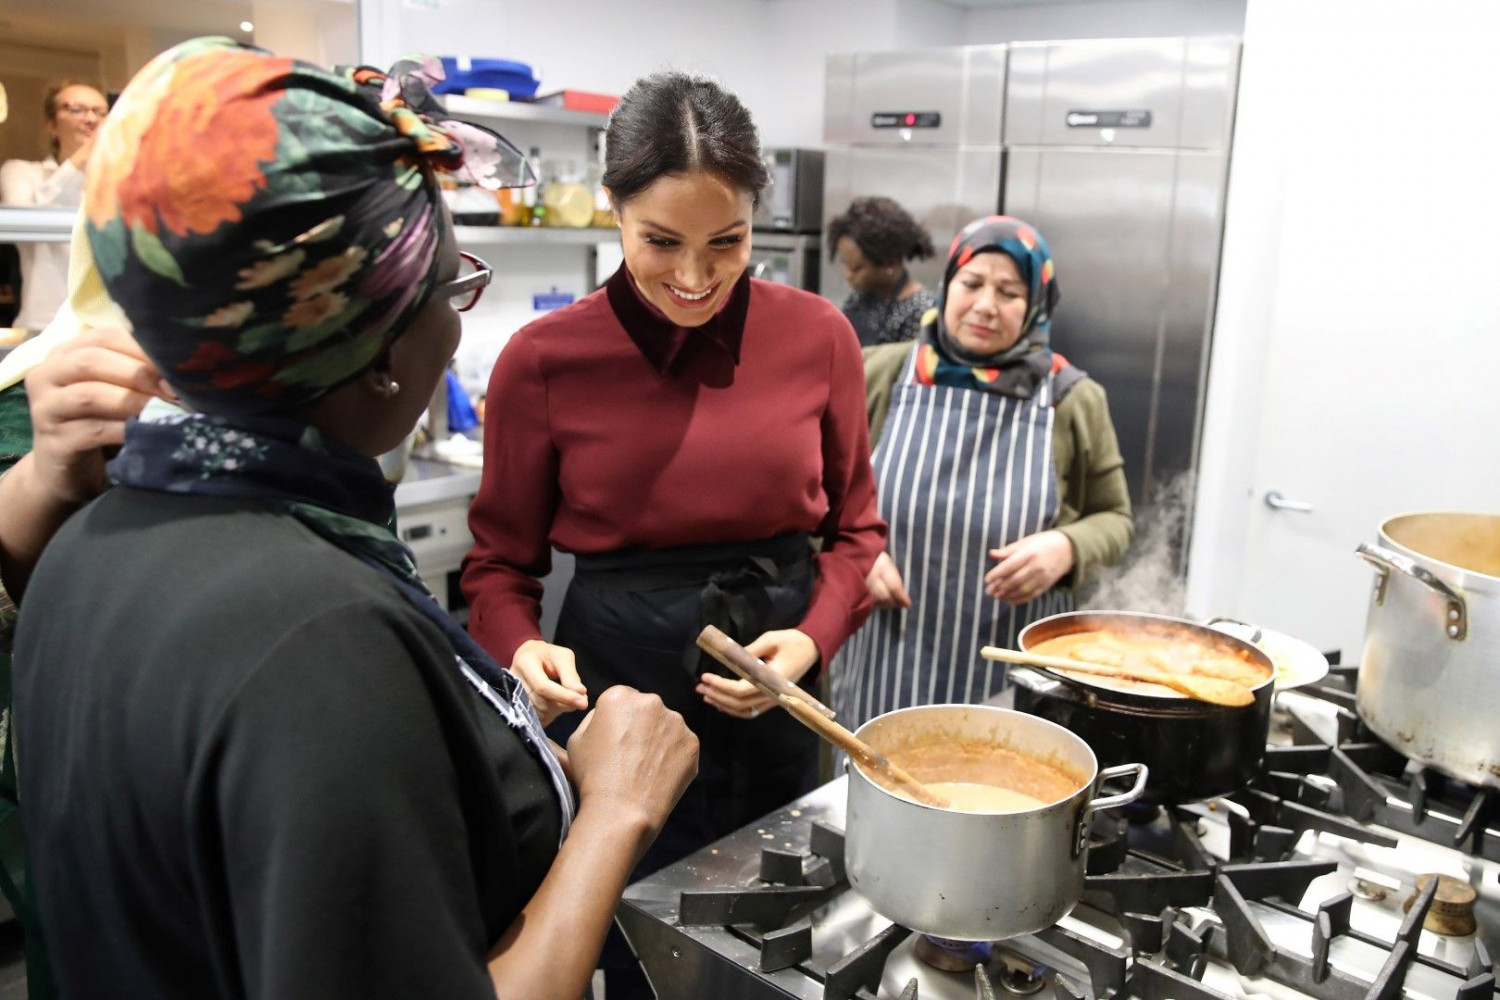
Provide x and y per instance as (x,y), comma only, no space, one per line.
(685,431)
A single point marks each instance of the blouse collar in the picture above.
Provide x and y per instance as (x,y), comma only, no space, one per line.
(662,341)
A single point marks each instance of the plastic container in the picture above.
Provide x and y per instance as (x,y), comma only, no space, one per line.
(461,73)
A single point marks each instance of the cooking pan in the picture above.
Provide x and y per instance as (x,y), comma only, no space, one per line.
(971,876)
(1429,674)
(1193,750)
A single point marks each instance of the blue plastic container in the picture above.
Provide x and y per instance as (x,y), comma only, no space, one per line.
(515,78)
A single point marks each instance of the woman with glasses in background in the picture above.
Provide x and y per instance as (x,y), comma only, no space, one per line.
(73,113)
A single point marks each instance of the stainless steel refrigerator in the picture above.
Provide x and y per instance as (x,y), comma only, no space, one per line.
(1118,151)
(922,128)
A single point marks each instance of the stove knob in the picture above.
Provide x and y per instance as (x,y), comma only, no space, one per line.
(1452,911)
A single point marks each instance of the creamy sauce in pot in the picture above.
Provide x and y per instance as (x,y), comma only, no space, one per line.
(967,796)
(994,777)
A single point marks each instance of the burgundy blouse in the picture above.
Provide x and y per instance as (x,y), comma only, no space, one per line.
(607,427)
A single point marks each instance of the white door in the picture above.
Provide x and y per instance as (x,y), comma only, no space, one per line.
(1356,358)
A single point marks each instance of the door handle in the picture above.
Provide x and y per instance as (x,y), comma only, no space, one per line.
(1276,501)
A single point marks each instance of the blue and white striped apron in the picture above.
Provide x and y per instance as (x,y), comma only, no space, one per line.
(958,472)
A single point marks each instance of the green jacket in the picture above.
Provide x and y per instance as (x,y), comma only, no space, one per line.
(1095,509)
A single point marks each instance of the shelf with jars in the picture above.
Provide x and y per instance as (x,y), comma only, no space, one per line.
(535,235)
(481,112)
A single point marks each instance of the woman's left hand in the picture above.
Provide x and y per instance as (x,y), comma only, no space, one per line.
(1028,567)
(789,652)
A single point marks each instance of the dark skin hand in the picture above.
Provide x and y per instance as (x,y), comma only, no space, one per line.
(80,398)
(631,759)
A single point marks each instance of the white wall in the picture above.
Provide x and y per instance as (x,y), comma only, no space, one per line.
(1359,250)
(1041,21)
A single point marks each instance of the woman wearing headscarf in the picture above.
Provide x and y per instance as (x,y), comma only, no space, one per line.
(997,467)
(262,761)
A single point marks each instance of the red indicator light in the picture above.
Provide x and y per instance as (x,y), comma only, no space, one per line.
(911,119)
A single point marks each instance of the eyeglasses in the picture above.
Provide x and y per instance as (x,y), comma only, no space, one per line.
(79,110)
(465,289)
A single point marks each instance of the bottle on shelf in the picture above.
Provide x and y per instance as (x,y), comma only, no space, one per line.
(569,201)
(534,197)
(604,212)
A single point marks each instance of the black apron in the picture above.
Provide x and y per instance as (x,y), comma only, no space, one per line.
(632,618)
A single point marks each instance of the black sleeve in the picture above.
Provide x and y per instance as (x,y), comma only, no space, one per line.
(330,805)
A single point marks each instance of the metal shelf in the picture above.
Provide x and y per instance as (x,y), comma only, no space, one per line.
(518,111)
(36,225)
(540,236)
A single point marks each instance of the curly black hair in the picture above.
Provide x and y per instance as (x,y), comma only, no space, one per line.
(884,232)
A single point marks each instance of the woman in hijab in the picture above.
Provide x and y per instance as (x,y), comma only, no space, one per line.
(997,467)
(261,759)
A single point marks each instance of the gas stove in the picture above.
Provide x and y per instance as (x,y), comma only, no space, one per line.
(1341,873)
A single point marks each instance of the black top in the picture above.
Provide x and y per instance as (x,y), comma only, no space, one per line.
(881,320)
(254,770)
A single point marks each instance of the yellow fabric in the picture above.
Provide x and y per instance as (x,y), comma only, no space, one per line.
(88,306)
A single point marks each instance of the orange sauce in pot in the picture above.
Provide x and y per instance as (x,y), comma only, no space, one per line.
(981,777)
(1128,650)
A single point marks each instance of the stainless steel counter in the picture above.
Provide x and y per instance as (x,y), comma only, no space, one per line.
(432,515)
(427,481)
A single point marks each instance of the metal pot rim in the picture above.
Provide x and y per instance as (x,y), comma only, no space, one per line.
(1106,694)
(1030,720)
(1464,576)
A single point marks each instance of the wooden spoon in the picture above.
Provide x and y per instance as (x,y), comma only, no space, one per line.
(734,656)
(1213,690)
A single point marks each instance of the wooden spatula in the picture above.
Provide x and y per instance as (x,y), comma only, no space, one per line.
(1213,690)
(734,656)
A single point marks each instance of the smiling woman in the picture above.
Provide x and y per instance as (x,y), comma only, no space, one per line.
(72,112)
(684,431)
(687,272)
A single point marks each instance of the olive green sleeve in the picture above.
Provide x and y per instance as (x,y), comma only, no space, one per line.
(1095,511)
(883,364)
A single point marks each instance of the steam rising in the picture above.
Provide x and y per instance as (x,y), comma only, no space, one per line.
(1151,577)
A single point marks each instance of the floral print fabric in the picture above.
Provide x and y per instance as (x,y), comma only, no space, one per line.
(267,226)
(1018,370)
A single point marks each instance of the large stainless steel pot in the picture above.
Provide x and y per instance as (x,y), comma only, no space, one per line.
(1429,675)
(974,876)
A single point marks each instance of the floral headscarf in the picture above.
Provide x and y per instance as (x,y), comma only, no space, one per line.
(268,227)
(1020,368)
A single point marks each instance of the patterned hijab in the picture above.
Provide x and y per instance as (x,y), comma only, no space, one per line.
(267,226)
(1018,370)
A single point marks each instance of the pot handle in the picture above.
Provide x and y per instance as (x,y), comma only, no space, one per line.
(1384,560)
(1255,630)
(1110,801)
